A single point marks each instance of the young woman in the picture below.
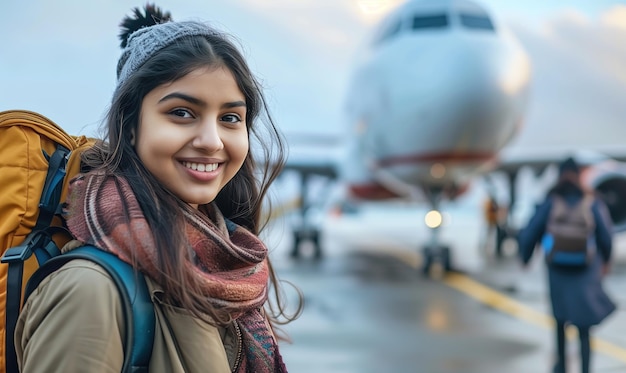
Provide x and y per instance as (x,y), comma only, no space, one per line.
(173,191)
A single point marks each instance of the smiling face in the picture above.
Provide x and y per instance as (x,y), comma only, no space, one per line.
(192,134)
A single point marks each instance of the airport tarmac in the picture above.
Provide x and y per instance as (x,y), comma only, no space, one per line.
(369,310)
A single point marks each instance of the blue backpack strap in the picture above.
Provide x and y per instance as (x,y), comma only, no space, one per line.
(16,256)
(53,186)
(230,226)
(137,305)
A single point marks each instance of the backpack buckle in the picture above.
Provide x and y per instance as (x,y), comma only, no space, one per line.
(24,251)
(17,254)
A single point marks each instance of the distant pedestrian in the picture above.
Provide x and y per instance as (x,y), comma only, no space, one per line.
(576,266)
(495,219)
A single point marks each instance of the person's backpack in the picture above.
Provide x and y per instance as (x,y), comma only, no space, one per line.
(568,240)
(37,160)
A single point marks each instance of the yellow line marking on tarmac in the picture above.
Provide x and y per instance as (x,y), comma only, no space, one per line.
(496,300)
(512,307)
(503,303)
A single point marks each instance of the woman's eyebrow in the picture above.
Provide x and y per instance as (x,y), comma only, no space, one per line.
(182,96)
(199,102)
(234,104)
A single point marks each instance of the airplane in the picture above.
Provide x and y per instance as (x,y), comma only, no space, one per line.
(440,91)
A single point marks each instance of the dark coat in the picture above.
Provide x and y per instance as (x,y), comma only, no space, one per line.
(576,294)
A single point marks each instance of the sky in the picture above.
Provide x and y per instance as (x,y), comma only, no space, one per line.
(59,57)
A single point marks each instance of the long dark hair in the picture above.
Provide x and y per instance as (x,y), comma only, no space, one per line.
(241,200)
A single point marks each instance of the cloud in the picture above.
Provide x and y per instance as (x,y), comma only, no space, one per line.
(62,61)
(599,43)
(579,81)
(615,17)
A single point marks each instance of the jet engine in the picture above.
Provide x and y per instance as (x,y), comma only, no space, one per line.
(608,179)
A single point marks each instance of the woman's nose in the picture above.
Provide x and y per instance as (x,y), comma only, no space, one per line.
(208,137)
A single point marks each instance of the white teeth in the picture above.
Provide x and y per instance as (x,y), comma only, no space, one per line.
(202,167)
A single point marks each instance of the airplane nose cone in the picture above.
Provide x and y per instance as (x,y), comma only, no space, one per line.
(485,89)
(466,94)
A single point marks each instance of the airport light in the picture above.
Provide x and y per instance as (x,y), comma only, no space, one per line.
(438,171)
(433,219)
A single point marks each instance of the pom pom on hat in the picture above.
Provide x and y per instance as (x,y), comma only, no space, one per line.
(153,15)
(151,37)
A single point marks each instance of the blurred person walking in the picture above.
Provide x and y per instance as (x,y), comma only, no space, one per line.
(495,216)
(575,285)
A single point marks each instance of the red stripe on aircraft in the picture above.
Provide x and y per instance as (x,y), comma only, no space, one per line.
(371,191)
(436,158)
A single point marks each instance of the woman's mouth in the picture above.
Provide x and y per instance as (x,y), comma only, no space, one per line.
(201,167)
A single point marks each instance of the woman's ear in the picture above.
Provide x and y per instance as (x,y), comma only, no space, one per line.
(132,137)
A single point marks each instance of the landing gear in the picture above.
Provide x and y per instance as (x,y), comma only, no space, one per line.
(436,255)
(306,230)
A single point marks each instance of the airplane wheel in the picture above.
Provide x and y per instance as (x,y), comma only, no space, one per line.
(297,239)
(315,239)
(439,255)
(302,235)
(427,261)
(445,259)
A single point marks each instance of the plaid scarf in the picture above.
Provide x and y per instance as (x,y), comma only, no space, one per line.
(229,261)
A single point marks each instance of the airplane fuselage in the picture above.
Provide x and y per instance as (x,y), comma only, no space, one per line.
(434,101)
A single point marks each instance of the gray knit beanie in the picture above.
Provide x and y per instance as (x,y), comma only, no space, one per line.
(145,42)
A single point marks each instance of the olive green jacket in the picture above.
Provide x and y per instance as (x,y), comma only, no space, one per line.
(73,322)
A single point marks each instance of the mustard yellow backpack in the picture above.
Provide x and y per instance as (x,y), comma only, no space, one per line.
(38,160)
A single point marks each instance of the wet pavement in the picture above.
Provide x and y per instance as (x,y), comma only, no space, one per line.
(368,309)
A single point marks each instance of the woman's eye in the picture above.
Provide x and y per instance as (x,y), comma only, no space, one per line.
(231,118)
(183,113)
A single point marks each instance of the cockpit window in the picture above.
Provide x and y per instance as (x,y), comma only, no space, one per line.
(469,20)
(476,21)
(430,21)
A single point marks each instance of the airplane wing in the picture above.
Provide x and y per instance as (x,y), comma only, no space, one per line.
(511,160)
(314,154)
(604,171)
(311,166)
